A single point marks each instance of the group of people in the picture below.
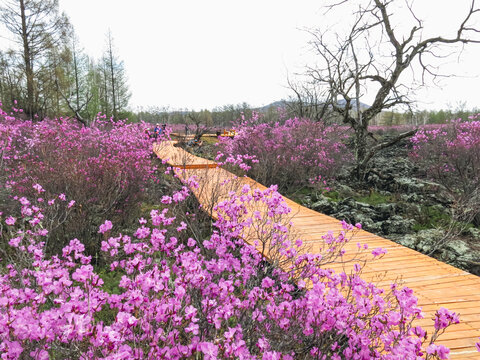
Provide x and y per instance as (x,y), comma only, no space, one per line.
(158,131)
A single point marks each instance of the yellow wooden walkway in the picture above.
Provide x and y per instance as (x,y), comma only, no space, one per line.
(435,284)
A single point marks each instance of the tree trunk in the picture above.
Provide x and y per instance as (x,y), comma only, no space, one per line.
(112,73)
(75,68)
(30,108)
(360,144)
(105,91)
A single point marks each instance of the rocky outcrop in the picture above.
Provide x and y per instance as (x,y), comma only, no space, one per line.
(406,209)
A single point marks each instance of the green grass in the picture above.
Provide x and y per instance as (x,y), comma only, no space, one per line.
(431,218)
(209,140)
(299,194)
(111,281)
(146,208)
(333,195)
(374,198)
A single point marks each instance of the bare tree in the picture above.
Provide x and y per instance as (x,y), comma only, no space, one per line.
(201,121)
(374,54)
(73,86)
(10,78)
(306,102)
(115,79)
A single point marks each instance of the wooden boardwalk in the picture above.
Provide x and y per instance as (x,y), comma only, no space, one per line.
(435,284)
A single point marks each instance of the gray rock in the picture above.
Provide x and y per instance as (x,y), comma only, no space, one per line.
(411,198)
(408,240)
(362,205)
(424,241)
(306,201)
(458,247)
(324,205)
(397,225)
(347,204)
(409,184)
(345,191)
(384,211)
(348,216)
(428,240)
(412,210)
(474,233)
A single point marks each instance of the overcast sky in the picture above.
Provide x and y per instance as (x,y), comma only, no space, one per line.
(201,54)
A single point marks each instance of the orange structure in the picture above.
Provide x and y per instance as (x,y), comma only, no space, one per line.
(228,133)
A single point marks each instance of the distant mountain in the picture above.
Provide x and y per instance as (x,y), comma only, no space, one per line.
(282,103)
(363,106)
(275,104)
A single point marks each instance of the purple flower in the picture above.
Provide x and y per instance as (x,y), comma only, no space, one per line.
(83,273)
(15,241)
(10,220)
(39,188)
(439,350)
(106,226)
(267,283)
(445,317)
(378,251)
(24,201)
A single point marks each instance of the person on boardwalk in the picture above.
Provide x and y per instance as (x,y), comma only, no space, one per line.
(147,133)
(156,131)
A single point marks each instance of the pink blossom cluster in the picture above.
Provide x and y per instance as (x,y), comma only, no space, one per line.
(289,151)
(450,154)
(55,146)
(185,297)
(105,167)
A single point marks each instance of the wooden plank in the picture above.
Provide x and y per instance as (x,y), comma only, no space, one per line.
(196,166)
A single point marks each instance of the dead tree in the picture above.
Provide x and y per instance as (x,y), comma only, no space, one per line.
(200,121)
(374,54)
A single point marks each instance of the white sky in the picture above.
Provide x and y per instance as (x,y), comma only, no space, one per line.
(201,54)
(198,54)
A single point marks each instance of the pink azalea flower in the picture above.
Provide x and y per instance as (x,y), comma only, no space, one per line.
(106,226)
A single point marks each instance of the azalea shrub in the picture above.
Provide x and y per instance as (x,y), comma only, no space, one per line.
(450,155)
(106,168)
(292,152)
(184,297)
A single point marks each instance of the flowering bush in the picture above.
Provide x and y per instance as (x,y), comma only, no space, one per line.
(294,152)
(450,155)
(105,168)
(182,297)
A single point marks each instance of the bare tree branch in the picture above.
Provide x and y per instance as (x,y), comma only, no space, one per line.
(349,65)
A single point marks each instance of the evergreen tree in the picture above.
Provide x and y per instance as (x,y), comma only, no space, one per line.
(117,93)
(36,26)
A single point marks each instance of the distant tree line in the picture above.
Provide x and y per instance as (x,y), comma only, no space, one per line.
(46,72)
(224,116)
(219,117)
(423,117)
